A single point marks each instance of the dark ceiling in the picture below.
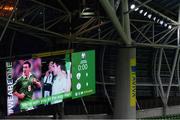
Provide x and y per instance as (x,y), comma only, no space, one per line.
(41,25)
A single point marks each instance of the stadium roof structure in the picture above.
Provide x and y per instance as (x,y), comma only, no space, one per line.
(83,21)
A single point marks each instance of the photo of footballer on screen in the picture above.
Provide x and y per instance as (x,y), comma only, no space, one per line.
(37,82)
(26,86)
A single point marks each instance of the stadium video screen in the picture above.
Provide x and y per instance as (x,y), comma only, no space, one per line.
(47,80)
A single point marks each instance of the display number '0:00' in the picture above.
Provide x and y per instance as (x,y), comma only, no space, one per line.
(82,67)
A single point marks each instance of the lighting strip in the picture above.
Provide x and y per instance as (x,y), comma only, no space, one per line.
(150,16)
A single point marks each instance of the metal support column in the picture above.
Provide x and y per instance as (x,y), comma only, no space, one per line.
(125,99)
(123,109)
(112,15)
(126,23)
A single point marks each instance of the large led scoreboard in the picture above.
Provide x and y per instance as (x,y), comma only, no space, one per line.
(47,78)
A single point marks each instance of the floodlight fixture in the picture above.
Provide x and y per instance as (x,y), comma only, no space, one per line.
(145,13)
(141,11)
(161,22)
(149,16)
(165,24)
(132,6)
(157,20)
(154,18)
(169,27)
(136,9)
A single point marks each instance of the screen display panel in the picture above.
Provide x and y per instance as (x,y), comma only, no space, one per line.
(48,79)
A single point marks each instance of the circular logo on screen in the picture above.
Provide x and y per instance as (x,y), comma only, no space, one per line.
(78,76)
(78,86)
